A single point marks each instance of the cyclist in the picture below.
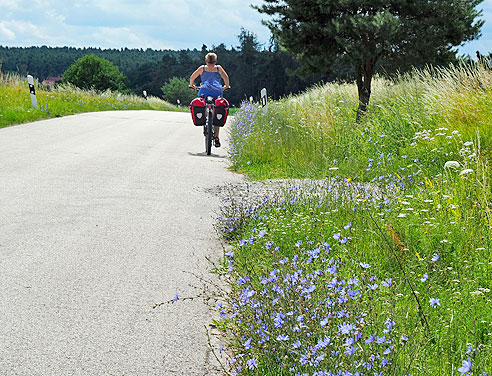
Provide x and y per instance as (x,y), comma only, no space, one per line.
(211,73)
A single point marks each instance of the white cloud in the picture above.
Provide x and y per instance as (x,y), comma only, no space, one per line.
(8,4)
(6,33)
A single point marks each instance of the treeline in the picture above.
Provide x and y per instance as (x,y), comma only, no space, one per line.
(250,66)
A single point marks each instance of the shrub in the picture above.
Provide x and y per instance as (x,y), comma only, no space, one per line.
(177,89)
(92,72)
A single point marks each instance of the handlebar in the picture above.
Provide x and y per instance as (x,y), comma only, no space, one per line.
(196,89)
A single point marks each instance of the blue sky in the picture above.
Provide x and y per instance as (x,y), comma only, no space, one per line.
(164,24)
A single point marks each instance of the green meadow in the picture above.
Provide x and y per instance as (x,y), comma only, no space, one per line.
(377,259)
(16,107)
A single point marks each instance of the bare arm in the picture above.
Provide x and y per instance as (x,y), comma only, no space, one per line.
(194,76)
(225,77)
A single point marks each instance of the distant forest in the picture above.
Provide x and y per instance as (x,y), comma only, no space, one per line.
(250,66)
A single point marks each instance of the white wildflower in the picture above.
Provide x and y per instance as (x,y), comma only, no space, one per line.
(476,293)
(451,164)
(466,171)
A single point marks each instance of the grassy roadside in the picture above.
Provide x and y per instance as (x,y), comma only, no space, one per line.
(382,265)
(16,107)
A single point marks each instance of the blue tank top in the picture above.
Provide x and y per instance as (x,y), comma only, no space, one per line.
(211,82)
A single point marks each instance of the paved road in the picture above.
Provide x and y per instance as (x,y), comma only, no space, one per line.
(102,216)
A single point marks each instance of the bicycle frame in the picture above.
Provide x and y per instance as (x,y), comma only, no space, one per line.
(208,128)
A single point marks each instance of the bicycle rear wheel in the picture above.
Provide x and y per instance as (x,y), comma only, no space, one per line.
(210,133)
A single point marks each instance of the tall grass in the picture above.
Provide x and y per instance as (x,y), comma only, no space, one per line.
(313,134)
(382,267)
(16,107)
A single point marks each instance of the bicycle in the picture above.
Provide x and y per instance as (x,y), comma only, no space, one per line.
(208,128)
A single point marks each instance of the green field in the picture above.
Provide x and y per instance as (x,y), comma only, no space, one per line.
(16,107)
(380,263)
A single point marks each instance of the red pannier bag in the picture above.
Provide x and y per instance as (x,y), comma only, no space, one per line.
(221,111)
(197,107)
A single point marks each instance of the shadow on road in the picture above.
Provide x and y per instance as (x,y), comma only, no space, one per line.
(204,154)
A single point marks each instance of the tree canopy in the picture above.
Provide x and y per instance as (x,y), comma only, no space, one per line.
(92,72)
(371,33)
(176,89)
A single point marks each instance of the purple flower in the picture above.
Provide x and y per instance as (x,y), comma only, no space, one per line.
(337,236)
(371,338)
(283,337)
(364,265)
(348,342)
(465,368)
(470,349)
(347,226)
(262,233)
(434,301)
(353,281)
(435,257)
(346,328)
(175,299)
(323,342)
(252,363)
(380,340)
(350,350)
(247,344)
(310,289)
(424,278)
(387,283)
(296,344)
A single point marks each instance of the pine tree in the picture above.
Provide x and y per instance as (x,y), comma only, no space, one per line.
(368,32)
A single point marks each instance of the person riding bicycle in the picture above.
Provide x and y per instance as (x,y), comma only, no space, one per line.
(211,73)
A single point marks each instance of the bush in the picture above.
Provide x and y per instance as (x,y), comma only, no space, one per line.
(92,72)
(177,89)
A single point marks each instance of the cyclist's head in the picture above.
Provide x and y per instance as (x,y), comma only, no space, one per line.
(211,58)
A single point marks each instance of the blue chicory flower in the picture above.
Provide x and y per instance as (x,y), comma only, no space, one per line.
(434,301)
(466,367)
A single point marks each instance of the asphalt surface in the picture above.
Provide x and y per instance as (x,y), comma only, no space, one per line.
(103,215)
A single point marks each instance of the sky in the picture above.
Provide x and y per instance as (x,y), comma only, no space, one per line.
(164,24)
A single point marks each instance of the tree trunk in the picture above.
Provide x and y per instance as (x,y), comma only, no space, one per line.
(364,72)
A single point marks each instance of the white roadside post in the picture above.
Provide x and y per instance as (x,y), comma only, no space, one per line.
(34,102)
(263,94)
(178,102)
(264,99)
(145,94)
